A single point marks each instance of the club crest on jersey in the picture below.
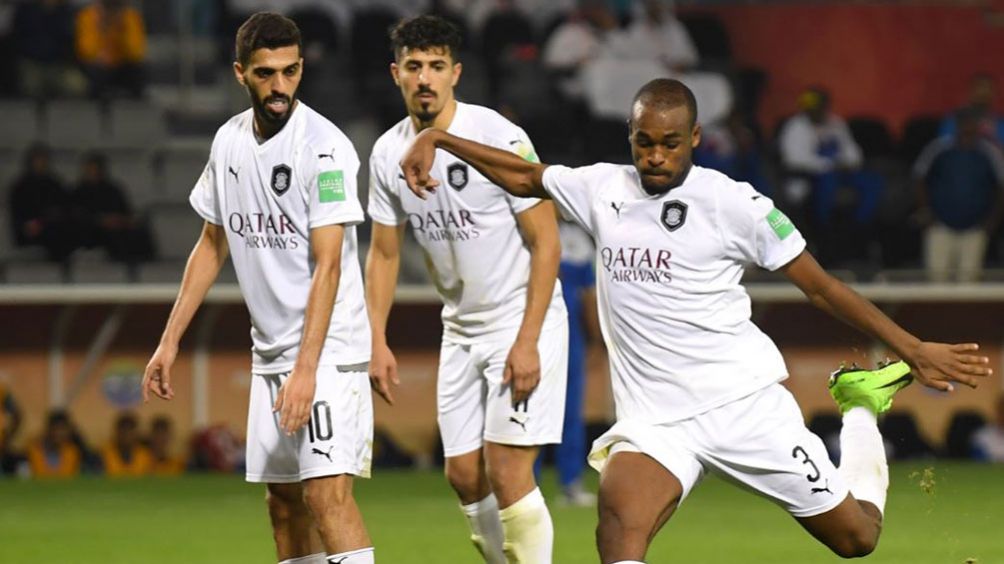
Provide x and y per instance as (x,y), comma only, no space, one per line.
(282,176)
(456,176)
(674,213)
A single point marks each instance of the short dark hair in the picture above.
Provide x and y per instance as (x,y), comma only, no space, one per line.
(424,33)
(667,93)
(265,30)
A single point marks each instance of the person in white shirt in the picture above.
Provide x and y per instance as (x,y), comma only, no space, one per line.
(494,261)
(656,34)
(279,196)
(821,156)
(696,383)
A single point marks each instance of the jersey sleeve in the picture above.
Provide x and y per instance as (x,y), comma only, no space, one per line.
(756,232)
(384,204)
(204,197)
(513,139)
(573,193)
(332,188)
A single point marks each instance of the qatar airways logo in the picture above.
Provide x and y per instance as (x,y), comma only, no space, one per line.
(635,264)
(444,225)
(264,231)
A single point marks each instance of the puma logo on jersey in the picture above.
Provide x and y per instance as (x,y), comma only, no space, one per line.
(330,155)
(514,419)
(322,453)
(617,208)
(825,488)
(757,197)
(234,172)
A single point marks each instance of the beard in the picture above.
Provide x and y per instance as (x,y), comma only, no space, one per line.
(267,116)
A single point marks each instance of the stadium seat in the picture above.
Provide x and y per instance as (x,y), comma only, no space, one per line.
(179,171)
(74,124)
(175,229)
(136,124)
(958,441)
(917,133)
(134,171)
(34,272)
(160,272)
(872,134)
(899,428)
(90,271)
(21,124)
(709,36)
(607,141)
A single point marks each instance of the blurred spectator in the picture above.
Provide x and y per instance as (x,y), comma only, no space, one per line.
(959,182)
(577,41)
(817,147)
(104,216)
(165,462)
(111,45)
(732,148)
(981,102)
(39,207)
(43,36)
(56,454)
(988,442)
(10,422)
(655,34)
(218,449)
(126,456)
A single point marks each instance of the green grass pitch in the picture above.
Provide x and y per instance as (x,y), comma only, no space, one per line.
(413,518)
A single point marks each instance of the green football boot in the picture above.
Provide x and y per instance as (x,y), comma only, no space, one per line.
(854,386)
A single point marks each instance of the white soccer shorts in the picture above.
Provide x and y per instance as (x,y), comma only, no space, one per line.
(338,438)
(759,442)
(474,406)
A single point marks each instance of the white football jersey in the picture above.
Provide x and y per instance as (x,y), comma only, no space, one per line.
(674,316)
(268,197)
(476,256)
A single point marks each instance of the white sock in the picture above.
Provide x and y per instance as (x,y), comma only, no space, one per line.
(529,533)
(318,558)
(360,556)
(862,457)
(486,528)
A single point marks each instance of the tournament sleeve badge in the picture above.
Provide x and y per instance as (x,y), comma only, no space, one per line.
(281,179)
(331,186)
(780,224)
(457,176)
(674,214)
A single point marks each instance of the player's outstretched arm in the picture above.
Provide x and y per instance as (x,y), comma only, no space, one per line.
(296,396)
(382,264)
(935,365)
(507,170)
(203,267)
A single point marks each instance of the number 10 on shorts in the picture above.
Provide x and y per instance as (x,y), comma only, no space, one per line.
(319,426)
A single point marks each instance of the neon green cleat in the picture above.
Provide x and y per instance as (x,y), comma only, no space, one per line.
(855,386)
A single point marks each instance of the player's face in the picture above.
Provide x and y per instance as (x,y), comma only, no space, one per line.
(426,79)
(271,78)
(662,143)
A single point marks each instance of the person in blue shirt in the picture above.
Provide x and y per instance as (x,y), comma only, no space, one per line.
(981,101)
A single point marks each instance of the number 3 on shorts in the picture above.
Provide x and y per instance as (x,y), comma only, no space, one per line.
(814,477)
(319,426)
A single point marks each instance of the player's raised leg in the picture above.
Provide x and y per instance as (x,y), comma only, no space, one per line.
(637,496)
(852,528)
(296,537)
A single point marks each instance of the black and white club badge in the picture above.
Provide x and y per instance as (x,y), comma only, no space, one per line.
(674,213)
(456,176)
(282,176)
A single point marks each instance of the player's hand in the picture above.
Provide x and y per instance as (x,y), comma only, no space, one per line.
(417,162)
(383,372)
(294,400)
(522,370)
(937,365)
(157,376)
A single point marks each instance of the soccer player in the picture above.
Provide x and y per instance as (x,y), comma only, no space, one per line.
(695,381)
(279,195)
(494,261)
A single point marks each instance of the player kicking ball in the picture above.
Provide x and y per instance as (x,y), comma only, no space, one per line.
(696,383)
(494,261)
(279,195)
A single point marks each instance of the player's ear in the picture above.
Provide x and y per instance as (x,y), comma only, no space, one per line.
(458,68)
(695,135)
(239,73)
(395,73)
